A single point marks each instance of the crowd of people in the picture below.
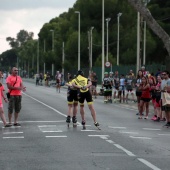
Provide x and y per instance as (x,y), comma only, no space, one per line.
(149,89)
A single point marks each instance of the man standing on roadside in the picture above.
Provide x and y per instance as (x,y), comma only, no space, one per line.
(15,85)
(165,86)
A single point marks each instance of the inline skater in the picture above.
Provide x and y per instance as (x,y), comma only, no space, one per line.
(94,80)
(58,81)
(111,80)
(122,88)
(72,101)
(83,84)
(106,84)
(116,85)
(129,87)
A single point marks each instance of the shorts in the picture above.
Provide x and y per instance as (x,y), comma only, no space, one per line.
(138,93)
(58,81)
(145,99)
(85,96)
(108,92)
(14,104)
(72,96)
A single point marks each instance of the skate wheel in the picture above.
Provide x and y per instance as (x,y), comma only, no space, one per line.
(68,125)
(84,127)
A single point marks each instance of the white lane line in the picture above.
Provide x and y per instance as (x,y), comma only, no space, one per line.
(55,110)
(13,137)
(129,132)
(88,130)
(138,137)
(117,127)
(98,135)
(148,164)
(110,141)
(125,150)
(164,134)
(40,121)
(150,129)
(81,125)
(50,131)
(56,136)
(5,133)
(47,126)
(103,137)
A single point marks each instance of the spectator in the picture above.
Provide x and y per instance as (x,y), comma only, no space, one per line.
(15,85)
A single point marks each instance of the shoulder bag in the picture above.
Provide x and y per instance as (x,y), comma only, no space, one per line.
(8,93)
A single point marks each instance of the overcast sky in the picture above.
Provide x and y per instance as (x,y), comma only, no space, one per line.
(30,15)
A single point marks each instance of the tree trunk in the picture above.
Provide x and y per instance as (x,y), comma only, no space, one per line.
(154,26)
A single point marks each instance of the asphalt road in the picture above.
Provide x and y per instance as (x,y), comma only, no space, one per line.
(44,142)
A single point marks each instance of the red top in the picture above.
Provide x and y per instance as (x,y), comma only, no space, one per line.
(11,80)
(146,93)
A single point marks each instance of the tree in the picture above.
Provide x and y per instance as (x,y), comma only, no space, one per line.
(154,26)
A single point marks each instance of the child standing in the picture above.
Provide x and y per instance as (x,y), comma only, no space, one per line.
(2,115)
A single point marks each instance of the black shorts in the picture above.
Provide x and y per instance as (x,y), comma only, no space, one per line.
(138,93)
(72,96)
(145,99)
(85,96)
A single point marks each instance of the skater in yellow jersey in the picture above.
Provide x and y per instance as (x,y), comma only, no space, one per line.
(83,84)
(72,102)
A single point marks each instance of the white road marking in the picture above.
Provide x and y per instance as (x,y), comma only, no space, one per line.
(148,164)
(46,105)
(88,130)
(50,131)
(43,121)
(125,150)
(56,136)
(150,129)
(98,135)
(103,137)
(129,132)
(117,127)
(55,110)
(13,137)
(110,141)
(5,133)
(46,126)
(137,137)
(164,134)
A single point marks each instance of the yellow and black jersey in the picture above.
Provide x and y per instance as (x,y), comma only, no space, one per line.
(81,81)
(71,82)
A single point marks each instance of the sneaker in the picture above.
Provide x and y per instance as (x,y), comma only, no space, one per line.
(154,117)
(167,124)
(140,117)
(146,117)
(96,124)
(83,122)
(137,113)
(163,120)
(17,124)
(8,125)
(157,119)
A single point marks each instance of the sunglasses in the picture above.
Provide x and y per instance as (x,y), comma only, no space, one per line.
(164,74)
(15,70)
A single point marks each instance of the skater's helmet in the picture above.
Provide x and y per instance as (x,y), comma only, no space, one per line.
(105,72)
(80,72)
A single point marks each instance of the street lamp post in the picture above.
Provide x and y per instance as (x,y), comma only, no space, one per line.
(102,39)
(118,20)
(52,40)
(78,12)
(107,25)
(38,56)
(138,43)
(91,47)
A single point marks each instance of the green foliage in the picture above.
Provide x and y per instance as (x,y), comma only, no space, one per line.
(65,29)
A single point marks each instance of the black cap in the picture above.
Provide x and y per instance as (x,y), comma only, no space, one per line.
(80,72)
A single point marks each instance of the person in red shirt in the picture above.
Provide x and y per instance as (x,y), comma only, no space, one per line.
(15,86)
(145,97)
(2,115)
